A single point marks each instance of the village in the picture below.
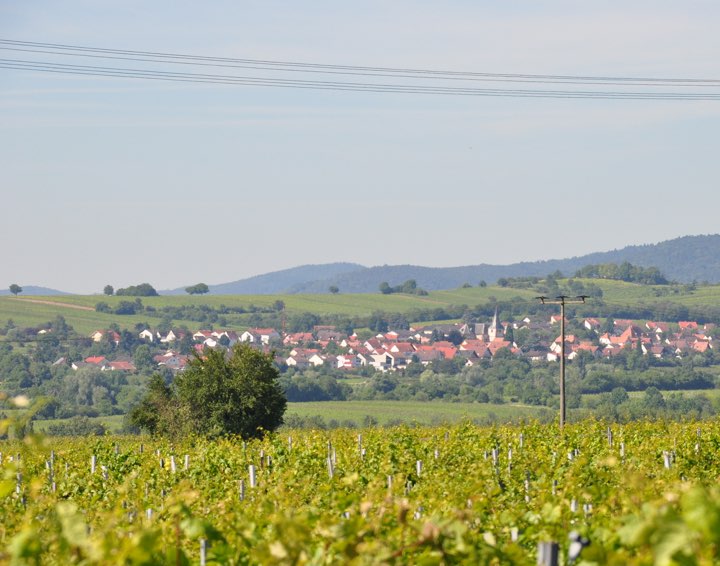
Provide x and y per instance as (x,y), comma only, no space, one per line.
(464,343)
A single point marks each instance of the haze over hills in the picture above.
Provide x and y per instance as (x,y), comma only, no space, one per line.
(278,282)
(685,259)
(35,290)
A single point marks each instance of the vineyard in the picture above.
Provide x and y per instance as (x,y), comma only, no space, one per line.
(642,493)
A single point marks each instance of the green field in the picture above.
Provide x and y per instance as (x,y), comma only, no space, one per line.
(112,424)
(26,313)
(712,394)
(383,412)
(425,413)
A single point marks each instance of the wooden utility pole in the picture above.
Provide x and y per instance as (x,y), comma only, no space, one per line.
(562,300)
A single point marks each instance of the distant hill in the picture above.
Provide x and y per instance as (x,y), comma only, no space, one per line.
(35,290)
(278,282)
(686,259)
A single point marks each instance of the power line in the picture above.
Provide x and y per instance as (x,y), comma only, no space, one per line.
(64,47)
(438,79)
(114,72)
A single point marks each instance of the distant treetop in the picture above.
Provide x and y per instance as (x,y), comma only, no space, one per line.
(409,287)
(623,272)
(142,290)
(198,289)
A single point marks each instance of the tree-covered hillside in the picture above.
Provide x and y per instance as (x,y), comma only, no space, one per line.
(686,259)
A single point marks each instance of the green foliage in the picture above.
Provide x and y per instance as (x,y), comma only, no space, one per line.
(160,412)
(108,290)
(409,287)
(239,394)
(142,290)
(480,495)
(15,289)
(77,426)
(623,272)
(128,307)
(216,395)
(198,289)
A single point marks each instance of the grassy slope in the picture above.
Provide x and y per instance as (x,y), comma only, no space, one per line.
(25,313)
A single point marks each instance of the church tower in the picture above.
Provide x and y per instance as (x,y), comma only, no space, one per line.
(495,330)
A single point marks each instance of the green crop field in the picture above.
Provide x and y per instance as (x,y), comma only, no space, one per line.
(382,412)
(112,423)
(641,493)
(410,412)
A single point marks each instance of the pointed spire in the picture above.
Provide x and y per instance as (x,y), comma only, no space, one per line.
(495,330)
(495,323)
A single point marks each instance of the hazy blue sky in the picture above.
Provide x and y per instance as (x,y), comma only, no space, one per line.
(124,181)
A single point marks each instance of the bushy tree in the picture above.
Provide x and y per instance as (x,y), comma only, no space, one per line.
(142,290)
(15,289)
(108,290)
(239,394)
(218,394)
(159,412)
(199,289)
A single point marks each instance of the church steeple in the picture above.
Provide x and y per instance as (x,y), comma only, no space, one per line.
(495,330)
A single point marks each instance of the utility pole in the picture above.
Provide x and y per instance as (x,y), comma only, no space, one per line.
(562,300)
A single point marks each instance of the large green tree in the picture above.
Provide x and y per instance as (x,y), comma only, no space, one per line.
(237,393)
(15,289)
(219,393)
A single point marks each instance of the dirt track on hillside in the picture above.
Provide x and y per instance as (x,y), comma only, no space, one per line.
(56,303)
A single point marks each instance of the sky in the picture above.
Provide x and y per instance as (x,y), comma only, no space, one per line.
(121,181)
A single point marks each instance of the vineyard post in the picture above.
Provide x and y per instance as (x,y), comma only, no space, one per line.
(203,552)
(562,300)
(548,554)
